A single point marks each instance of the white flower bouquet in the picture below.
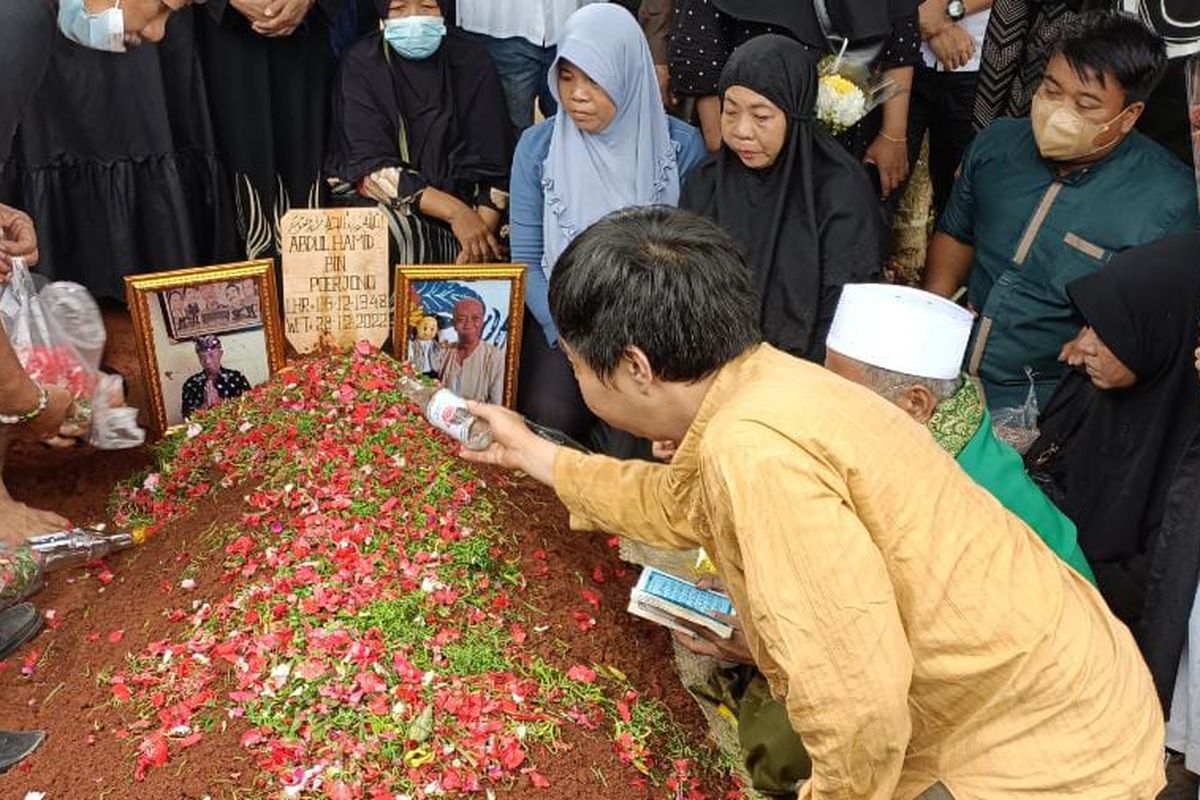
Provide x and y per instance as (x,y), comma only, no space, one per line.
(848,91)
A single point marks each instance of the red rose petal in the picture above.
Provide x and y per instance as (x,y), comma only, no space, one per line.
(582,674)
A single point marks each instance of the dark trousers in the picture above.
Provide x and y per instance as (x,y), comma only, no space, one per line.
(548,394)
(524,68)
(941,103)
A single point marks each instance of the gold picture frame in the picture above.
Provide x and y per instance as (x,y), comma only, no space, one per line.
(449,285)
(258,351)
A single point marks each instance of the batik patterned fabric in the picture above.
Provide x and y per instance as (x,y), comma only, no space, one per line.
(229,383)
(20,572)
(957,418)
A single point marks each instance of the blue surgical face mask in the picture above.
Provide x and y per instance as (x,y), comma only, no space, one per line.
(103,31)
(415,38)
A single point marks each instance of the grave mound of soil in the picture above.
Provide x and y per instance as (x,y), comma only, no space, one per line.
(330,604)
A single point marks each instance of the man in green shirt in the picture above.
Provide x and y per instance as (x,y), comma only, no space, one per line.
(907,346)
(1041,201)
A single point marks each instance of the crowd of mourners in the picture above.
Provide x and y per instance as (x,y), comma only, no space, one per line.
(928,610)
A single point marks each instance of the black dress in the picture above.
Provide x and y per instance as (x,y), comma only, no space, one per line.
(702,41)
(441,122)
(114,160)
(1108,457)
(270,109)
(1174,573)
(26,32)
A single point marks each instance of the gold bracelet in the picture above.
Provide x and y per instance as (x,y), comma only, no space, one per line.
(893,139)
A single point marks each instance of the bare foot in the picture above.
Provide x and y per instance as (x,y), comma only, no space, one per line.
(19,521)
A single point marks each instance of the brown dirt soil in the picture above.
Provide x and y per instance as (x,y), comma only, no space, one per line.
(67,695)
(639,649)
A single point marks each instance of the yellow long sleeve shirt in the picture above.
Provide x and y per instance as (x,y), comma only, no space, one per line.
(917,631)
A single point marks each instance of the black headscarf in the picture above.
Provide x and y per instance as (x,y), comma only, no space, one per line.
(446,109)
(1180,27)
(810,222)
(856,20)
(448,8)
(1113,452)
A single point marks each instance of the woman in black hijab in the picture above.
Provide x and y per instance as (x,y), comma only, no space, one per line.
(885,34)
(801,206)
(424,134)
(1114,432)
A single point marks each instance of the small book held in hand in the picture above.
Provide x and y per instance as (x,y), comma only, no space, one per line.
(665,599)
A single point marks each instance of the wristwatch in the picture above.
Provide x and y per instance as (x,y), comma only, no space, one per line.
(956,10)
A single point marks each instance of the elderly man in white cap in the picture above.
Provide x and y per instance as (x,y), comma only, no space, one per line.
(908,346)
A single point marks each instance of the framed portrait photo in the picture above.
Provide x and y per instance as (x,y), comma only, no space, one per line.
(204,335)
(461,324)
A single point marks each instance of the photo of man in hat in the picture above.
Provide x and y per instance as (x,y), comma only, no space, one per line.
(213,384)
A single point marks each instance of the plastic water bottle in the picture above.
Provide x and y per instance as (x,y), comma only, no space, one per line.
(77,546)
(447,412)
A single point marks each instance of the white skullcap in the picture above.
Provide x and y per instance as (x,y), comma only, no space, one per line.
(901,329)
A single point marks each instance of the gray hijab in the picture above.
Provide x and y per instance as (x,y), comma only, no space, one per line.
(632,162)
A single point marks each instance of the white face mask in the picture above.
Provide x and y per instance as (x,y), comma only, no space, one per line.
(103,31)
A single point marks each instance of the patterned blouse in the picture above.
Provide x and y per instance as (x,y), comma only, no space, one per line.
(704,37)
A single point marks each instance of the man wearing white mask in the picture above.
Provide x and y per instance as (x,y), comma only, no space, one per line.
(113,132)
(1044,200)
(113,24)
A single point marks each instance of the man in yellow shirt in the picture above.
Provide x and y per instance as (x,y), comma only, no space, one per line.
(925,642)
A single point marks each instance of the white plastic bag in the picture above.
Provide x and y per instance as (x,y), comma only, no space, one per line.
(1018,426)
(48,354)
(58,335)
(78,316)
(114,424)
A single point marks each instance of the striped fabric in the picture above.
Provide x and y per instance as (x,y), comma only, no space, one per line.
(1019,36)
(415,238)
(418,241)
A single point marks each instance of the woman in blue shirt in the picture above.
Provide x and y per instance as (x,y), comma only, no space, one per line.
(610,146)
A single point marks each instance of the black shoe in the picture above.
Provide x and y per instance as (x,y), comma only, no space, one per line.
(16,746)
(18,624)
(1181,784)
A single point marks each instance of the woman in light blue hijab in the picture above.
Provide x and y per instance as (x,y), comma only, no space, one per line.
(610,146)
